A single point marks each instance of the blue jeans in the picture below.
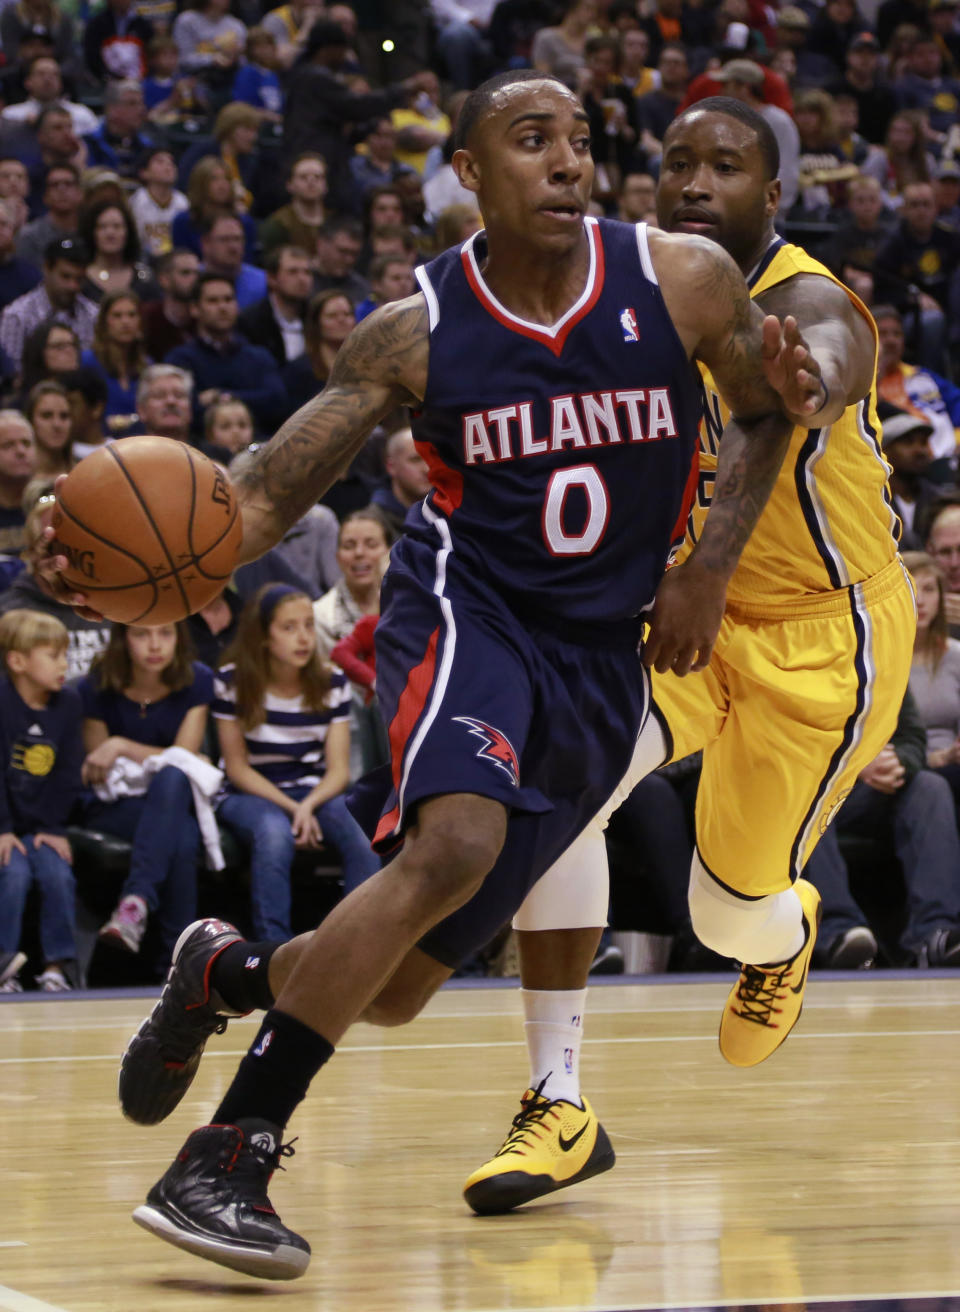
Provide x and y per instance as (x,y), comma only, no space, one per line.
(925,839)
(165,836)
(264,827)
(54,879)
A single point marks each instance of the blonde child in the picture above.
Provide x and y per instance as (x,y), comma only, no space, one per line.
(41,748)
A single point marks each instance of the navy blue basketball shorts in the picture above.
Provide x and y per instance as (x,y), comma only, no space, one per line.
(476,701)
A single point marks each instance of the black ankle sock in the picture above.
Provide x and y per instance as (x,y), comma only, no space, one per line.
(276,1072)
(241,975)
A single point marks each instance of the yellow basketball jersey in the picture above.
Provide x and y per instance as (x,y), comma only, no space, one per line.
(830,520)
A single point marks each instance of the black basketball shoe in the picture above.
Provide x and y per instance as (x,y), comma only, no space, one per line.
(162,1057)
(213,1202)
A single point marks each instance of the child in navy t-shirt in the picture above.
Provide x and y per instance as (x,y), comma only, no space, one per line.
(41,749)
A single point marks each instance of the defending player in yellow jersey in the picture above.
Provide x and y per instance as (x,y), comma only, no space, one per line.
(800,692)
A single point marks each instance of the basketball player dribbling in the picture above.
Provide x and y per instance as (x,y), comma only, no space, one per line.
(549,364)
(802,690)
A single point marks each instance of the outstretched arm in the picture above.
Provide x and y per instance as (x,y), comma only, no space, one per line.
(381,365)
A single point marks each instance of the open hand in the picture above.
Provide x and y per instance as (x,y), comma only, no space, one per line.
(790,368)
(685,619)
(10,843)
(58,843)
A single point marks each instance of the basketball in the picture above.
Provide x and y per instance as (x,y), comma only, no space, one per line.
(150,528)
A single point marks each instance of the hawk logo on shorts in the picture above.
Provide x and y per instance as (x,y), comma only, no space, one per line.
(495,747)
(628,322)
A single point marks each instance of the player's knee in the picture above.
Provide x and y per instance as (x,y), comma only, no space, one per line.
(448,863)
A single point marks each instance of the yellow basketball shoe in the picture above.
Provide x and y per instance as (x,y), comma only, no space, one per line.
(551,1145)
(766,1002)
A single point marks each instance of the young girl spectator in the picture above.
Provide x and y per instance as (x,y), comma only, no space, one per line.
(283,718)
(210,193)
(52,349)
(935,672)
(228,430)
(41,750)
(48,410)
(119,358)
(143,695)
(108,230)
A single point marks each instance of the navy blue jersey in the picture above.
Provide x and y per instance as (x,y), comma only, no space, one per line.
(563,458)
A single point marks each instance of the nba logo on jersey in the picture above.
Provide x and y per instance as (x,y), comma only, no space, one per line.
(628,322)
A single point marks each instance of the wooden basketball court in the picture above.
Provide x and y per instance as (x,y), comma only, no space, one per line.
(830,1173)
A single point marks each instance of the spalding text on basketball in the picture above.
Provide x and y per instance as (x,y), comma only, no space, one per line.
(81,561)
(220,492)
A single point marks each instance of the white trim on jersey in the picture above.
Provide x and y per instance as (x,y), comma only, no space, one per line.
(549,330)
(856,736)
(872,440)
(820,510)
(643,246)
(429,295)
(446,660)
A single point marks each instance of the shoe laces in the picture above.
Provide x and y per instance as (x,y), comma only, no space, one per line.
(758,992)
(180,1031)
(526,1124)
(252,1168)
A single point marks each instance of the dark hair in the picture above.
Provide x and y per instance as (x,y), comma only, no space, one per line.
(341,223)
(307,154)
(887,312)
(89,216)
(204,279)
(65,248)
(112,670)
(766,140)
(148,155)
(380,263)
(162,263)
(65,167)
(45,114)
(375,514)
(207,224)
(274,257)
(33,366)
(480,101)
(90,383)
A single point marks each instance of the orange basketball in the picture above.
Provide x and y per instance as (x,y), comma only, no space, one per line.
(150,527)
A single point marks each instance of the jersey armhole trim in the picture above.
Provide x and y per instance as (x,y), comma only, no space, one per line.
(643,247)
(429,295)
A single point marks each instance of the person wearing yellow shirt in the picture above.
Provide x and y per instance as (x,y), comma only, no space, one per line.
(421,126)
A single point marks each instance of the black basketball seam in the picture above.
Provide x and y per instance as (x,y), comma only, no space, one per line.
(198,556)
(159,536)
(193,503)
(148,576)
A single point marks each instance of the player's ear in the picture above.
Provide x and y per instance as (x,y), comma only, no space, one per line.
(466,168)
(16,662)
(773,196)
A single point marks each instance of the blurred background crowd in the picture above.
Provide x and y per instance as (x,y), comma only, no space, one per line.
(197,204)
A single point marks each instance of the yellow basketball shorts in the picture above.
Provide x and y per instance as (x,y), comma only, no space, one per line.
(791,708)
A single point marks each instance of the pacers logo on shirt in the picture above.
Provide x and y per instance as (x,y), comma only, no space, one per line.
(494,746)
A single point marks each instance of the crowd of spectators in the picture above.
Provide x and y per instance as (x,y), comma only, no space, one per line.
(198,202)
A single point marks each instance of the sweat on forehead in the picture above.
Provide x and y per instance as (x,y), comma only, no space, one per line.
(497,93)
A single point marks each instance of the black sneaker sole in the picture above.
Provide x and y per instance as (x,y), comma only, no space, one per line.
(502,1193)
(285,1262)
(150,1101)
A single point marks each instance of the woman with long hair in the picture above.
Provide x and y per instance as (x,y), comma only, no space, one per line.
(144,694)
(210,194)
(328,322)
(824,170)
(283,716)
(903,158)
(108,231)
(234,142)
(52,349)
(118,356)
(935,672)
(48,410)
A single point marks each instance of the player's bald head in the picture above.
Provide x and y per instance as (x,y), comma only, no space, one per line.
(496,94)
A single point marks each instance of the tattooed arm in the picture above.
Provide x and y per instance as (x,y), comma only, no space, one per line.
(381,365)
(711,308)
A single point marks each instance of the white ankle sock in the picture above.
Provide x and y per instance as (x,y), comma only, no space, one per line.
(554,1030)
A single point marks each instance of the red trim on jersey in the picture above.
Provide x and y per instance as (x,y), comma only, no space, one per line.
(448,483)
(409,708)
(689,493)
(553,340)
